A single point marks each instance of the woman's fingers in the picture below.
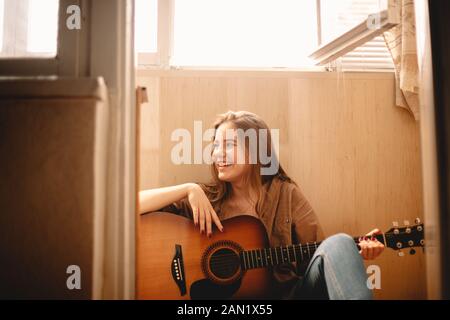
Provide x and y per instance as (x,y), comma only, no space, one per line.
(363,251)
(370,249)
(377,251)
(379,247)
(203,213)
(216,219)
(364,244)
(195,214)
(211,216)
(202,220)
(364,254)
(374,232)
(376,245)
(208,222)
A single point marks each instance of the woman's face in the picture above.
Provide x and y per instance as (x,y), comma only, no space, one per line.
(225,154)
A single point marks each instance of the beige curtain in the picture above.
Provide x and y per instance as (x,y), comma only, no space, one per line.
(401,41)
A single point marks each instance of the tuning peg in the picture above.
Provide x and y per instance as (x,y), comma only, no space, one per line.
(395,224)
(401,254)
(412,252)
(406,222)
(417,221)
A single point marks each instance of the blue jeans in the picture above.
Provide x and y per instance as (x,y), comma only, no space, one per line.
(336,271)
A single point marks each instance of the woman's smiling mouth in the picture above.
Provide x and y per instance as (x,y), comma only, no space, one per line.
(223,165)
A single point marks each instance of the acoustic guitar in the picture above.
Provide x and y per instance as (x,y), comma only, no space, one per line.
(176,262)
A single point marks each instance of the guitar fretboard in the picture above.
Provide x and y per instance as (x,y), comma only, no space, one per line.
(269,257)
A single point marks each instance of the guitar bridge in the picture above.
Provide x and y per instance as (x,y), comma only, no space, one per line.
(177,268)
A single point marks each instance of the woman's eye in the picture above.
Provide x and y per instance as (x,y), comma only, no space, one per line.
(228,145)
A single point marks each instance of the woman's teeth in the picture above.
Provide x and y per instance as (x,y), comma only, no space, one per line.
(224,165)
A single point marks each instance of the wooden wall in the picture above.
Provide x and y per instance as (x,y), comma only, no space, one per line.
(354,154)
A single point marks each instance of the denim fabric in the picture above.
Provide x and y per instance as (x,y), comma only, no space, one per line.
(336,271)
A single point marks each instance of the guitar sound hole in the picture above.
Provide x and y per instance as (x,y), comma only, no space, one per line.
(224,263)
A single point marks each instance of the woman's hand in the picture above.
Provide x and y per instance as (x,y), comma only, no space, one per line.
(202,211)
(370,249)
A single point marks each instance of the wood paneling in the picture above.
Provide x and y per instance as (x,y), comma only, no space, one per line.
(357,159)
(354,154)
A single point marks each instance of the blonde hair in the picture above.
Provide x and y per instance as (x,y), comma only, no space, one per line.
(219,191)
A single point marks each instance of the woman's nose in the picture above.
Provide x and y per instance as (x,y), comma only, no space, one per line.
(219,154)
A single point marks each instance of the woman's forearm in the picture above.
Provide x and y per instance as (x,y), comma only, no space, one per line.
(155,199)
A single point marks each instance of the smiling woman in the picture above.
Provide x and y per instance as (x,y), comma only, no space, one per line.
(241,187)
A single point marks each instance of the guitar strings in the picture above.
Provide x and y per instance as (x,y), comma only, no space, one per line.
(224,260)
(225,266)
(220,260)
(289,248)
(294,252)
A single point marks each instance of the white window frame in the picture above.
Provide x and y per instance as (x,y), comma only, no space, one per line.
(325,55)
(161,59)
(72,50)
(329,52)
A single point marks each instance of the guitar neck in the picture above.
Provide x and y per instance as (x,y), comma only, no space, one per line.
(270,257)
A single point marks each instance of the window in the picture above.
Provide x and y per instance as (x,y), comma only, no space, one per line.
(2,6)
(146,25)
(29,28)
(42,27)
(262,33)
(341,16)
(351,34)
(228,33)
(146,32)
(250,33)
(372,56)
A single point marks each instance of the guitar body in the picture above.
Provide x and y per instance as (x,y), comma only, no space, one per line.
(176,262)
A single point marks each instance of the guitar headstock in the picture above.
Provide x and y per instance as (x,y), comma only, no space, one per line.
(405,237)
